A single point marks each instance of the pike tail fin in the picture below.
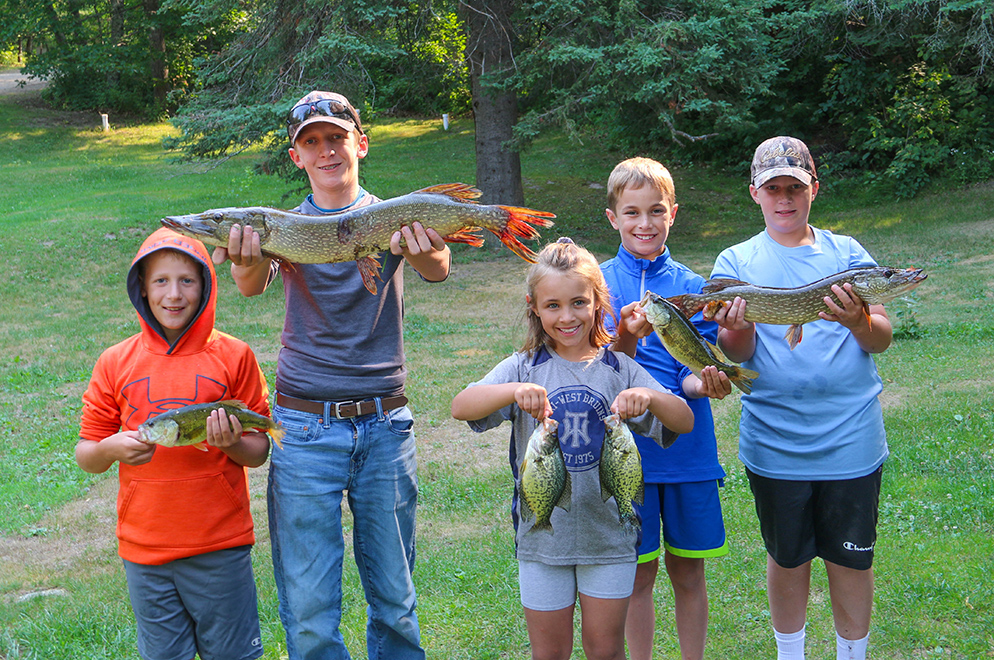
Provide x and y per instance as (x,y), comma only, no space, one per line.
(521,224)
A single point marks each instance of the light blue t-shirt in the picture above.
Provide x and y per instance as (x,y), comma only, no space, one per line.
(813,413)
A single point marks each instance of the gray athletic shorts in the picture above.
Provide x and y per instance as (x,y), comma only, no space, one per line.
(205,604)
(548,588)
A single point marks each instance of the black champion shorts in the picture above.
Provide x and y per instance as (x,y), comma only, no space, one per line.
(834,520)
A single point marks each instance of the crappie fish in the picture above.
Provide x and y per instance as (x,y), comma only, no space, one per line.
(545,482)
(359,233)
(187,426)
(684,342)
(876,285)
(621,470)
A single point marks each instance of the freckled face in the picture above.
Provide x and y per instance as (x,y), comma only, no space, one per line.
(643,218)
(172,285)
(565,305)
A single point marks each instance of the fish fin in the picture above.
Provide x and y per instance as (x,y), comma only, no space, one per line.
(524,509)
(369,268)
(640,494)
(687,305)
(520,224)
(716,351)
(465,235)
(742,378)
(721,283)
(543,525)
(712,308)
(277,433)
(202,446)
(866,313)
(567,494)
(236,403)
(606,493)
(794,334)
(462,191)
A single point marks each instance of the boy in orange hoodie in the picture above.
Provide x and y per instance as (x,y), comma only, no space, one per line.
(184,526)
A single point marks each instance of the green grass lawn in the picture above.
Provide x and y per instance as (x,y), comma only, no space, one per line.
(76,202)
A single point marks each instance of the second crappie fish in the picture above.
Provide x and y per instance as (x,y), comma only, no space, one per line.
(545,481)
(684,342)
(187,426)
(875,285)
(359,233)
(621,470)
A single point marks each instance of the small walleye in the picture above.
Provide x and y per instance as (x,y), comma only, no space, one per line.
(182,427)
(875,285)
(545,482)
(684,342)
(359,233)
(621,470)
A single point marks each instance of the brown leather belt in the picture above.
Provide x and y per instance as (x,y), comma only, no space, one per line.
(340,409)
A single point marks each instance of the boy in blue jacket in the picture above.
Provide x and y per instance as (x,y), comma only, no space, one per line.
(681,517)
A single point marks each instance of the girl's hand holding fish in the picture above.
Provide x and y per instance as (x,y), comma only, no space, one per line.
(631,402)
(534,400)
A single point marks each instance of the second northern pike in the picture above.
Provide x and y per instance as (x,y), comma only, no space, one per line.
(545,482)
(684,342)
(875,285)
(359,233)
(621,470)
(187,426)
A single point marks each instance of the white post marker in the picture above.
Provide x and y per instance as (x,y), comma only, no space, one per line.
(104,122)
(445,121)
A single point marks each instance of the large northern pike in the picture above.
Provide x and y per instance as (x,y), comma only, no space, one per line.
(359,233)
(875,285)
(187,426)
(621,470)
(684,342)
(545,482)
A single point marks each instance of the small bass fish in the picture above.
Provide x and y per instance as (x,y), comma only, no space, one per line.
(684,342)
(545,482)
(876,285)
(621,471)
(359,233)
(182,427)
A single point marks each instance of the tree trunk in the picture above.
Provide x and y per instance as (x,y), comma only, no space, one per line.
(498,170)
(157,52)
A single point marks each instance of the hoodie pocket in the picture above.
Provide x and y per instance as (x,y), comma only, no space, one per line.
(183,513)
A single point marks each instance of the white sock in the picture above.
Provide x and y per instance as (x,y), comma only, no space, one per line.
(790,646)
(850,649)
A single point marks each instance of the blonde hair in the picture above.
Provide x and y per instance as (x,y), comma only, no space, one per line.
(635,173)
(567,258)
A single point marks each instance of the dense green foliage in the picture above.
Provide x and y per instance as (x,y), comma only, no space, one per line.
(895,92)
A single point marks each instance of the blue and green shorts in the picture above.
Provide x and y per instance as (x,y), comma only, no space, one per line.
(689,517)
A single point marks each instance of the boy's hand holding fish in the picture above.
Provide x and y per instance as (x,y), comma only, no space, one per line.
(123,447)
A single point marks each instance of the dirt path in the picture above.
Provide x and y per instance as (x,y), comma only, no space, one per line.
(15,82)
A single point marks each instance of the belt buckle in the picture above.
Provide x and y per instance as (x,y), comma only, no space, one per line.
(338,408)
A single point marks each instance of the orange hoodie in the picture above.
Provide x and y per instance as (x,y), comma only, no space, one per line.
(184,502)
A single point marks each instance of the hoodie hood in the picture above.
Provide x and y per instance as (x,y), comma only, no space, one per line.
(201,328)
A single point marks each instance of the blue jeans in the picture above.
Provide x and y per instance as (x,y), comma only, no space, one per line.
(372,458)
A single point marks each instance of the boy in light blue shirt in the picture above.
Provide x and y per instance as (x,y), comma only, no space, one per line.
(811,434)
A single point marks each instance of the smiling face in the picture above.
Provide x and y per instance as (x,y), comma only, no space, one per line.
(643,217)
(786,205)
(330,155)
(172,284)
(565,305)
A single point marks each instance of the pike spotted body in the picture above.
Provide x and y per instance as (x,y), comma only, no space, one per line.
(360,233)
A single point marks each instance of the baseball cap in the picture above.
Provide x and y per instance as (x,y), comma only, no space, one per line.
(322,106)
(782,156)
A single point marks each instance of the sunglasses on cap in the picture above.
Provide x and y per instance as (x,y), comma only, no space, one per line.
(323,108)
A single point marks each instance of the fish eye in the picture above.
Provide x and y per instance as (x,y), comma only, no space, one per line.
(889,273)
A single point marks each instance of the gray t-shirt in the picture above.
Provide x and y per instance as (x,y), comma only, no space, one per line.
(340,342)
(580,394)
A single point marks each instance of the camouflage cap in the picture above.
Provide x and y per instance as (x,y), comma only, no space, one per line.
(783,156)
